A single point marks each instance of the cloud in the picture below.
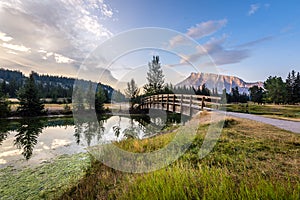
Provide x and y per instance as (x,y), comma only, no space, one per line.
(62,59)
(199,31)
(255,42)
(220,55)
(253,9)
(57,33)
(4,37)
(205,28)
(16,47)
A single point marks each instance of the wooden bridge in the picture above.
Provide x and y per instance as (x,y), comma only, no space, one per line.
(180,103)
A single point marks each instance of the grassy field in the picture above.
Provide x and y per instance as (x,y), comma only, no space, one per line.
(287,112)
(250,161)
(47,181)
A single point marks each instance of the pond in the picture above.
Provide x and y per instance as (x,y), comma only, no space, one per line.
(31,141)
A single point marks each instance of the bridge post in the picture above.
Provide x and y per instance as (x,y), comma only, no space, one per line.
(162,101)
(167,102)
(191,109)
(174,106)
(202,103)
(181,102)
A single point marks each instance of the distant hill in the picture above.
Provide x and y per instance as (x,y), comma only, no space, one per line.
(217,81)
(49,86)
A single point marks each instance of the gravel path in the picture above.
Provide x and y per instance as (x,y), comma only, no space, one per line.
(283,124)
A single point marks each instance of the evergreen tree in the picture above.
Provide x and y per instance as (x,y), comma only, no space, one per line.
(256,94)
(132,92)
(235,94)
(297,88)
(289,88)
(30,104)
(4,104)
(275,90)
(100,99)
(224,97)
(90,95)
(155,77)
(78,101)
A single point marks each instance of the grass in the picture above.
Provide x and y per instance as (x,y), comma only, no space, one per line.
(44,182)
(250,161)
(287,112)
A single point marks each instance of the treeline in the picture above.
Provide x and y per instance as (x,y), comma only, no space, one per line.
(31,92)
(53,87)
(278,91)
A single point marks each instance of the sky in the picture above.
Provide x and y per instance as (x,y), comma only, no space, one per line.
(248,39)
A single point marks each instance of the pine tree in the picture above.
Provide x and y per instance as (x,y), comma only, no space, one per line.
(132,92)
(256,94)
(275,90)
(4,104)
(30,104)
(155,77)
(90,95)
(78,101)
(289,88)
(100,99)
(297,88)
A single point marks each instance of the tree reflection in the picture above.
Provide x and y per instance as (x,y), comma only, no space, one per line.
(89,128)
(4,130)
(28,132)
(142,126)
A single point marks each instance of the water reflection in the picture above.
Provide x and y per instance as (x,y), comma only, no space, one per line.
(28,131)
(70,137)
(26,138)
(90,129)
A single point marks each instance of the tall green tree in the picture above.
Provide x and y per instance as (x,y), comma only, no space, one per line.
(155,77)
(132,92)
(100,98)
(297,87)
(275,90)
(90,95)
(235,94)
(256,94)
(30,104)
(78,100)
(4,103)
(292,87)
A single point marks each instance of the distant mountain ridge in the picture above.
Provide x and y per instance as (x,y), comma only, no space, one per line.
(217,81)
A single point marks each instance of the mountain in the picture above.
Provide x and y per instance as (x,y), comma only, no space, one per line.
(217,81)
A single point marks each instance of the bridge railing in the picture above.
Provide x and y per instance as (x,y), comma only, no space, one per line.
(180,103)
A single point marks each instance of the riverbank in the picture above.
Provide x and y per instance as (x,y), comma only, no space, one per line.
(249,161)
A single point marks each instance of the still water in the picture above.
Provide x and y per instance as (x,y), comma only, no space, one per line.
(28,142)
